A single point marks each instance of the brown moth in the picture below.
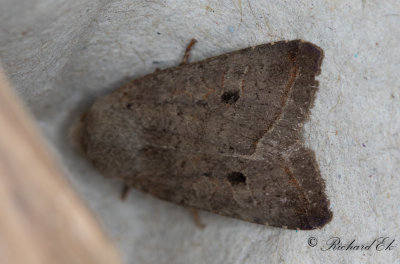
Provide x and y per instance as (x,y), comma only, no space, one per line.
(222,135)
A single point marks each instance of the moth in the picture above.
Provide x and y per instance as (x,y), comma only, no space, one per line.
(222,135)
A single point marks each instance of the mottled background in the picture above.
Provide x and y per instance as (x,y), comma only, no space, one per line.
(62,54)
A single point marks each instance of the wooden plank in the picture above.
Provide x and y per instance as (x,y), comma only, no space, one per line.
(42,220)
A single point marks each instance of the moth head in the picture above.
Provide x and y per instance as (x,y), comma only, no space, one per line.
(109,141)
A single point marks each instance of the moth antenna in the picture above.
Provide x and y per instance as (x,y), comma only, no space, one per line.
(187,51)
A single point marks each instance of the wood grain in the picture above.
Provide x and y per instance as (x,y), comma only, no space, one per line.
(42,220)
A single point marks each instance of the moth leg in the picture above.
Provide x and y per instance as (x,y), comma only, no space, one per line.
(187,51)
(125,191)
(197,218)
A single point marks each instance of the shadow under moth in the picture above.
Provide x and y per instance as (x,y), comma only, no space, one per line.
(222,135)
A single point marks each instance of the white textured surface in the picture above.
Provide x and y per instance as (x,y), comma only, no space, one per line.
(62,54)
